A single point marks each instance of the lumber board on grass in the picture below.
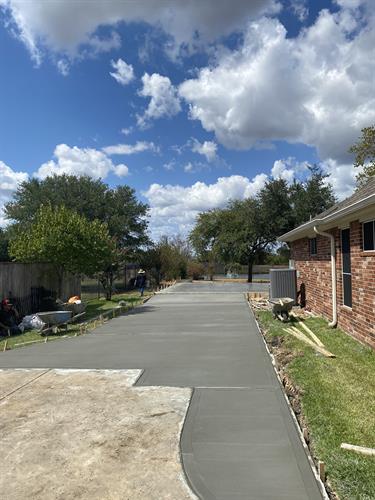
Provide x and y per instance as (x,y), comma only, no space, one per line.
(308,341)
(312,335)
(309,331)
(358,449)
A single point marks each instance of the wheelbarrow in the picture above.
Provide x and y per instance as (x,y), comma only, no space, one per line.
(281,307)
(54,319)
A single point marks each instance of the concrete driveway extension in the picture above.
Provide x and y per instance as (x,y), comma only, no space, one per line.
(239,441)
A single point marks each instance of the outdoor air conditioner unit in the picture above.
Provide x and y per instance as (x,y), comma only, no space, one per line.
(283,284)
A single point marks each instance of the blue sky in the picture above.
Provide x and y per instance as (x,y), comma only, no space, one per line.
(190,105)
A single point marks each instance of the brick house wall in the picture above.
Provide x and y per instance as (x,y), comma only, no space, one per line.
(315,275)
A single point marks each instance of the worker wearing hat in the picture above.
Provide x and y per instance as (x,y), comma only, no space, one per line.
(9,318)
(141,281)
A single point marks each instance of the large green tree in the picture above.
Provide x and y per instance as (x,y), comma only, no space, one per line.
(364,151)
(66,240)
(251,226)
(118,208)
(204,235)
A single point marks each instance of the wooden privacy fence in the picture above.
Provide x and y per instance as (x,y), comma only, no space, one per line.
(34,287)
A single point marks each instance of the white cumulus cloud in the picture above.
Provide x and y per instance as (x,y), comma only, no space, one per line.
(164,99)
(77,161)
(207,149)
(123,73)
(174,208)
(9,181)
(70,26)
(130,149)
(317,89)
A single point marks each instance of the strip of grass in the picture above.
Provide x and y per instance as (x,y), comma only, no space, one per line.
(338,402)
(94,308)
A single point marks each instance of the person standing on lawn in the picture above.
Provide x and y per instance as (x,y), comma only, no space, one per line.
(141,281)
(9,318)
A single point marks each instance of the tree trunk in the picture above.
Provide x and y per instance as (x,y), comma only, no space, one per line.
(250,271)
(109,287)
(106,280)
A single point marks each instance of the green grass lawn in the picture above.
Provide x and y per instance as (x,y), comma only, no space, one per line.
(94,308)
(338,402)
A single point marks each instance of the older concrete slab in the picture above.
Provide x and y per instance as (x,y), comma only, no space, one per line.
(12,380)
(90,435)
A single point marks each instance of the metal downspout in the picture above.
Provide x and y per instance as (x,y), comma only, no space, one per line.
(333,323)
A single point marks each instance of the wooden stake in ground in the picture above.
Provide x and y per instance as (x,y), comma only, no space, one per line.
(301,336)
(358,449)
(322,470)
(5,345)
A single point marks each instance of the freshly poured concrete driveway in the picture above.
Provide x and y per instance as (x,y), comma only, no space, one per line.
(239,441)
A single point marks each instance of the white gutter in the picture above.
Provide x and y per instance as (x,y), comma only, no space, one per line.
(333,323)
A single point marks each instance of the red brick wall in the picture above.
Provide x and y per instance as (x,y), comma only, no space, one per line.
(315,274)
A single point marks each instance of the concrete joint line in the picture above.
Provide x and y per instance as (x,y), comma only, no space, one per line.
(296,423)
(24,385)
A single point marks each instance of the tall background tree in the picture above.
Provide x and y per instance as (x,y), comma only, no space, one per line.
(167,259)
(245,230)
(364,151)
(311,197)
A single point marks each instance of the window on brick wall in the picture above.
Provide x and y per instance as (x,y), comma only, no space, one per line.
(368,236)
(313,246)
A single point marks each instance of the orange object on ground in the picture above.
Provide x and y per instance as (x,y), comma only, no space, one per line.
(74,299)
